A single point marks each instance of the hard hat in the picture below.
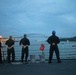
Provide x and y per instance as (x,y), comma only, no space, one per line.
(53,32)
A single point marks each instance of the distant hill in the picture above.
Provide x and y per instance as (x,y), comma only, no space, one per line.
(69,39)
(16,39)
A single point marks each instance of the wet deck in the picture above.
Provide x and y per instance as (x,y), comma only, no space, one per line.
(67,67)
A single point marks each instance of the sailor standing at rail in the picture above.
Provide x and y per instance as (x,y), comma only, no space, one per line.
(10,49)
(24,42)
(53,40)
(0,50)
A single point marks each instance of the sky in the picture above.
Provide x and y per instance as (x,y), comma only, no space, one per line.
(18,17)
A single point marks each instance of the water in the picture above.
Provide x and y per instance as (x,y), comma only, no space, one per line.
(65,48)
(67,51)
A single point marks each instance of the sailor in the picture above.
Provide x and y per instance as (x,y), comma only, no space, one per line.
(24,42)
(53,40)
(10,49)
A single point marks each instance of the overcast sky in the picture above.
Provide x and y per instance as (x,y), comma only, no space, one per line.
(38,16)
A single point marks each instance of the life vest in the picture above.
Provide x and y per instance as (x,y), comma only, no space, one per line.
(42,47)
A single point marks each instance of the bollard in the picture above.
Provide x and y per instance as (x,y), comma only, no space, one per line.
(42,58)
(32,59)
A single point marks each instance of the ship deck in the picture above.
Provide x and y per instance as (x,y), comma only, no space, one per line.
(67,67)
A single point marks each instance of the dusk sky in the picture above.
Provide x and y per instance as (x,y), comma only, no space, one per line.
(38,16)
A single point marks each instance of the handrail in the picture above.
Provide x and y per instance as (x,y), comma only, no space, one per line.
(66,51)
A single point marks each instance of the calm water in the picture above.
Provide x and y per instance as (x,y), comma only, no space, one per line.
(65,48)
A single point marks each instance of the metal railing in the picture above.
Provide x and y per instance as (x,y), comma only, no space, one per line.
(67,51)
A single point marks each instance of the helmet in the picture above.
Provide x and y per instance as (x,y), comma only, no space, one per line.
(53,32)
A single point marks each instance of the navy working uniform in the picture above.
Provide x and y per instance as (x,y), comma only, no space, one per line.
(24,42)
(10,49)
(53,40)
(0,53)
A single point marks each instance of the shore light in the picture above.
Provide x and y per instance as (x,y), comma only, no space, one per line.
(0,36)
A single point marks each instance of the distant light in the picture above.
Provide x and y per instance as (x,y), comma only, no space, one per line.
(0,37)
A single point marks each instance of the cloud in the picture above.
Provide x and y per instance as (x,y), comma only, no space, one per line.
(38,16)
(69,19)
